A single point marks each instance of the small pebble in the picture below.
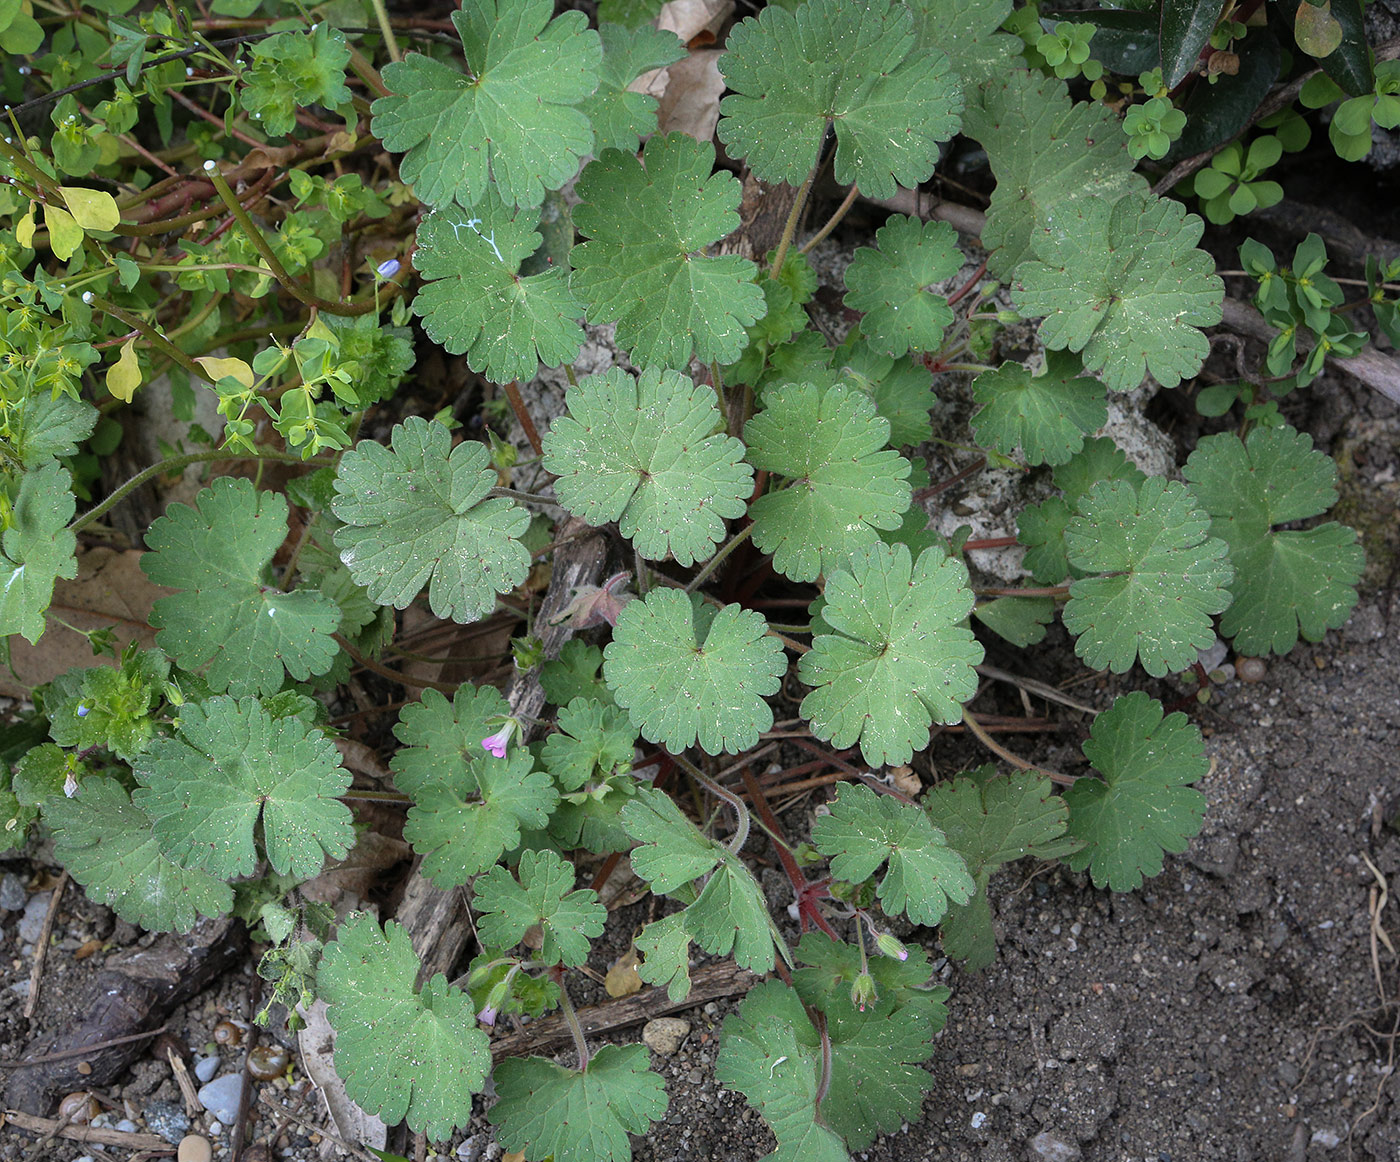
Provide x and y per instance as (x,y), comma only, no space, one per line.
(126,1126)
(1050,1147)
(194,1148)
(664,1035)
(205,1068)
(31,924)
(216,1128)
(168,1120)
(13,895)
(220,1096)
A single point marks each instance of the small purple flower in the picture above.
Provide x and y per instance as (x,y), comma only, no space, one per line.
(83,710)
(497,743)
(388,268)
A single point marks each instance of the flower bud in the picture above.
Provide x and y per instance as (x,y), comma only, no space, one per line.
(863,991)
(889,946)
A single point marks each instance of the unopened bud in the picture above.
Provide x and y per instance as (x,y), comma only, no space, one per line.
(889,946)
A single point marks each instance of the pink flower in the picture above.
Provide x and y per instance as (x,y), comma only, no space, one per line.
(497,743)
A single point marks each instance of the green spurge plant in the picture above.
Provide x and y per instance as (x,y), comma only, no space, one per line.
(214,216)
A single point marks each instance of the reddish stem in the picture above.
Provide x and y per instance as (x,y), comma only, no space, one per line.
(522,413)
(969,284)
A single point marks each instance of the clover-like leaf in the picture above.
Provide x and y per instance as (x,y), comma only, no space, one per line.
(991,820)
(1124,284)
(464,819)
(1163,577)
(234,772)
(865,830)
(845,485)
(293,70)
(369,980)
(420,513)
(1287,581)
(477,303)
(648,223)
(672,850)
(891,285)
(620,117)
(511,121)
(645,453)
(36,549)
(1047,154)
(1046,416)
(107,845)
(1143,805)
(543,1109)
(687,672)
(900,656)
(545,895)
(249,636)
(792,75)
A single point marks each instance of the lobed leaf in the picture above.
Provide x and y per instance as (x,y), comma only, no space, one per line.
(419,513)
(1143,806)
(643,266)
(899,656)
(792,76)
(567,918)
(619,116)
(645,453)
(36,549)
(368,977)
(1047,416)
(891,284)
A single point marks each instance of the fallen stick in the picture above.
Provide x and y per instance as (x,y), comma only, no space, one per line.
(100,1135)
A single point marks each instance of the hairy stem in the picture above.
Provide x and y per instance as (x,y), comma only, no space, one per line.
(741,826)
(718,559)
(566,1006)
(795,215)
(832,222)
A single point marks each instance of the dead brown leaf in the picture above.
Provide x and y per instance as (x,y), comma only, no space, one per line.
(622,979)
(690,103)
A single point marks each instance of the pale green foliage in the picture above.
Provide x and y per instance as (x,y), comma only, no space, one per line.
(865,830)
(687,672)
(792,75)
(891,284)
(544,1109)
(545,896)
(619,116)
(593,741)
(107,845)
(901,388)
(831,967)
(1020,620)
(647,223)
(1143,805)
(1046,416)
(36,549)
(969,32)
(1124,284)
(506,324)
(1163,577)
(102,706)
(464,820)
(730,917)
(226,618)
(44,426)
(665,948)
(648,453)
(234,772)
(1047,153)
(292,70)
(369,980)
(440,736)
(512,121)
(1287,581)
(844,484)
(991,820)
(899,656)
(420,513)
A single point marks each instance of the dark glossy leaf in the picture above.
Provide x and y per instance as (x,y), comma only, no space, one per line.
(1215,113)
(1350,64)
(1125,41)
(1185,28)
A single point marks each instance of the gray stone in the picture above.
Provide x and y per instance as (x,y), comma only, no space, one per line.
(665,1034)
(473,1147)
(220,1096)
(13,894)
(1048,1146)
(205,1068)
(32,922)
(168,1120)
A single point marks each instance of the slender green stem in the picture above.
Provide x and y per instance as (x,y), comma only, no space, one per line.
(741,826)
(527,497)
(643,574)
(158,341)
(566,1006)
(274,264)
(382,15)
(832,222)
(569,375)
(173,464)
(778,627)
(718,559)
(794,216)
